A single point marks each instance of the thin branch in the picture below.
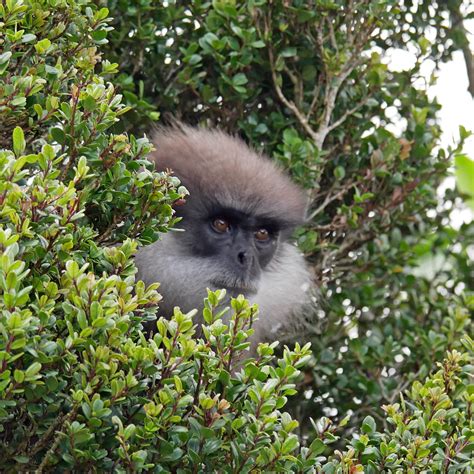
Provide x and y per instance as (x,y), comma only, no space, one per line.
(331,95)
(297,86)
(348,17)
(347,114)
(332,34)
(108,232)
(291,75)
(288,103)
(333,85)
(330,198)
(457,22)
(59,434)
(45,438)
(314,101)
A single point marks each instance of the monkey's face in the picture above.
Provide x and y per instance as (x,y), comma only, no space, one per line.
(239,214)
(235,247)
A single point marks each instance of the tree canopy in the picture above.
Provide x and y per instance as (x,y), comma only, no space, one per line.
(387,383)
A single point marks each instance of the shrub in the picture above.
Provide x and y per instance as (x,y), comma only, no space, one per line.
(390,268)
(81,386)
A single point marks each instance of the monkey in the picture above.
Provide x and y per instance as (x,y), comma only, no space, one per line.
(236,227)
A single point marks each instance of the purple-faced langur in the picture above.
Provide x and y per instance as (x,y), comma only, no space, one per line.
(236,222)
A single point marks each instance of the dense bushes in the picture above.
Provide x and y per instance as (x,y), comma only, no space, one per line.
(81,387)
(392,270)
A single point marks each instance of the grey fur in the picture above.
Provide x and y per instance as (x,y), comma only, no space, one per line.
(281,294)
(218,168)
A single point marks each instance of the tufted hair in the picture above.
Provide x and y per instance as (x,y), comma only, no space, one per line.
(242,179)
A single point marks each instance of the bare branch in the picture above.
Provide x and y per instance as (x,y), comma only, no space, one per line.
(333,84)
(457,22)
(330,198)
(291,75)
(349,16)
(297,85)
(288,103)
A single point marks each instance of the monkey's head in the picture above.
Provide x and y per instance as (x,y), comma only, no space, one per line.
(240,210)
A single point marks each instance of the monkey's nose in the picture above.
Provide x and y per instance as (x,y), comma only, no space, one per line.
(242,257)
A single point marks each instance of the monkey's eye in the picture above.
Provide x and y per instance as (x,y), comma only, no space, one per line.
(220,225)
(262,235)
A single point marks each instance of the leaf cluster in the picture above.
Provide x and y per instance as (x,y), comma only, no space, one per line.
(82,387)
(312,85)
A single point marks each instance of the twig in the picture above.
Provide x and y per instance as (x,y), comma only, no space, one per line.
(314,101)
(297,86)
(332,35)
(330,198)
(457,22)
(288,103)
(347,114)
(54,446)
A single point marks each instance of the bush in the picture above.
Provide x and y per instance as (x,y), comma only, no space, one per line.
(81,386)
(390,268)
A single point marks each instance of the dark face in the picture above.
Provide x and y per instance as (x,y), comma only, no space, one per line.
(239,246)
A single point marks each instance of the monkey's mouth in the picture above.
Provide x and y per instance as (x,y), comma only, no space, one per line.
(237,286)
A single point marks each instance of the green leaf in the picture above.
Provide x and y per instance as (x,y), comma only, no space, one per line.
(288,52)
(58,135)
(33,369)
(195,59)
(5,57)
(18,101)
(317,447)
(28,38)
(42,46)
(239,79)
(290,444)
(19,376)
(339,172)
(52,70)
(102,14)
(465,174)
(19,143)
(368,425)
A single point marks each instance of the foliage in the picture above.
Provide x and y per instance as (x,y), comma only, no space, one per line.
(81,387)
(430,431)
(465,177)
(312,85)
(50,90)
